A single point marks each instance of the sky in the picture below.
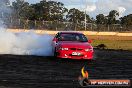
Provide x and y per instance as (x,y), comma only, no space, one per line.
(95,7)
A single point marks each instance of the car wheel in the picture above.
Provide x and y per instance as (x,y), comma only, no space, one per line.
(55,53)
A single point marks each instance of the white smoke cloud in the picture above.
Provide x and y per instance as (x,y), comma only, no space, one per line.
(91,8)
(121,11)
(25,43)
(22,43)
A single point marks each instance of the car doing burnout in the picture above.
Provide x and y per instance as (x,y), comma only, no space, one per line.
(72,45)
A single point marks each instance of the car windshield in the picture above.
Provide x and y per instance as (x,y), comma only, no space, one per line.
(72,37)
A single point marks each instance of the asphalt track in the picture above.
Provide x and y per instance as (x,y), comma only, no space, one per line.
(48,72)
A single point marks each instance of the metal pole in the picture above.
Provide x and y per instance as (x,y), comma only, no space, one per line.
(85,21)
(85,15)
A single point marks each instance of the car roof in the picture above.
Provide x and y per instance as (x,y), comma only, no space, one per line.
(70,32)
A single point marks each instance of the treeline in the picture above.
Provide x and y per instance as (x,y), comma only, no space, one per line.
(56,11)
(52,10)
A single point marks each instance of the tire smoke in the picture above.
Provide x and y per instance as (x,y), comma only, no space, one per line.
(21,43)
(24,43)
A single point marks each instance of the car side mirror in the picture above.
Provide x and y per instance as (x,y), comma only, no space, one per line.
(55,40)
(89,41)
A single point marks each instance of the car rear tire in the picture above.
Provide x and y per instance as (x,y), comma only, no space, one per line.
(55,53)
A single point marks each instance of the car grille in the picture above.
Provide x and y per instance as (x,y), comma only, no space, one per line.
(78,49)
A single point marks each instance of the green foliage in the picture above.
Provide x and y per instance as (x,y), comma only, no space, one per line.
(112,17)
(22,10)
(45,10)
(76,16)
(55,12)
(126,20)
(101,19)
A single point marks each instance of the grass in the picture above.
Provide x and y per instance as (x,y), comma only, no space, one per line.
(113,42)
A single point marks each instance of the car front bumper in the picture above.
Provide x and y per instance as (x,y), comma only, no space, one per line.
(69,54)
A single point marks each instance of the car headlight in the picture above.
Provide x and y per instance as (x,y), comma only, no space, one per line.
(89,49)
(61,48)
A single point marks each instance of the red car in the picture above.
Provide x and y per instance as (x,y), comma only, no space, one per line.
(72,45)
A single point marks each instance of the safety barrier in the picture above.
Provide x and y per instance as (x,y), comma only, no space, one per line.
(85,32)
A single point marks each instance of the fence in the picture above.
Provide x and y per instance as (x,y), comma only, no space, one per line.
(61,26)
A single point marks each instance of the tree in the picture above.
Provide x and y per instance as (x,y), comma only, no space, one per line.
(57,10)
(112,17)
(76,16)
(41,10)
(22,9)
(49,10)
(101,19)
(126,20)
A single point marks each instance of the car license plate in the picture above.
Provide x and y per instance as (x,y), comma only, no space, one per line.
(76,53)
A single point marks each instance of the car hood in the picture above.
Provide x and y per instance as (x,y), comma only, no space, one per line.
(72,44)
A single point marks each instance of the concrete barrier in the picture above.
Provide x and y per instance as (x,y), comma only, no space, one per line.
(124,34)
(107,33)
(89,32)
(85,32)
